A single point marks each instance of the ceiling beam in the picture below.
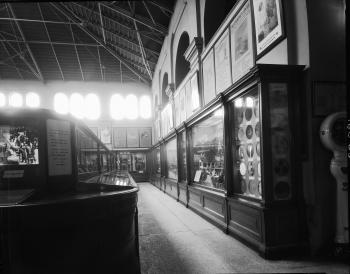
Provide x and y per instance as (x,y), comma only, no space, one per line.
(149,12)
(144,21)
(129,27)
(76,52)
(52,47)
(101,66)
(163,8)
(101,19)
(29,50)
(121,59)
(14,64)
(35,21)
(52,42)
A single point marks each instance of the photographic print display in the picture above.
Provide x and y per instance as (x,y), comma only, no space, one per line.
(268,23)
(171,155)
(19,145)
(222,63)
(208,78)
(145,137)
(280,141)
(105,135)
(119,137)
(241,43)
(132,137)
(246,143)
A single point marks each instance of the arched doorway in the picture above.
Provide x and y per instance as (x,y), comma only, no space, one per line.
(214,14)
(182,66)
(165,98)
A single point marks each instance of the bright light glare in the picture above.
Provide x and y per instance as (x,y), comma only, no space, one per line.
(145,107)
(32,100)
(15,100)
(249,102)
(239,103)
(131,107)
(2,100)
(219,112)
(92,106)
(76,105)
(61,103)
(195,100)
(117,107)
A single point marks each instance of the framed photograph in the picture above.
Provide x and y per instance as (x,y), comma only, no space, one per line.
(119,137)
(209,78)
(241,43)
(105,135)
(268,24)
(222,63)
(145,137)
(195,92)
(133,137)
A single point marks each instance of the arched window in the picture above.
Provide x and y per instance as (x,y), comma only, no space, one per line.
(214,14)
(165,98)
(16,100)
(32,100)
(131,107)
(117,107)
(76,105)
(2,100)
(92,106)
(145,107)
(61,103)
(182,66)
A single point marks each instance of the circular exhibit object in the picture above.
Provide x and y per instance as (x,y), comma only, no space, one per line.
(250,150)
(257,148)
(333,132)
(242,169)
(253,187)
(243,186)
(282,190)
(241,134)
(241,152)
(239,115)
(249,132)
(281,167)
(257,129)
(251,169)
(248,113)
(259,169)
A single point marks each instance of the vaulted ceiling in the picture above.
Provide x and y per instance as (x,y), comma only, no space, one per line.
(85,41)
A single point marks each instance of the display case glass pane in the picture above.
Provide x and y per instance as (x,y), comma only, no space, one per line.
(182,155)
(208,151)
(280,141)
(157,161)
(171,155)
(246,145)
(138,162)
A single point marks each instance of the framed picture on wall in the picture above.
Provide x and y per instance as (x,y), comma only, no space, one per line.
(132,137)
(119,137)
(241,43)
(145,137)
(268,24)
(105,135)
(209,78)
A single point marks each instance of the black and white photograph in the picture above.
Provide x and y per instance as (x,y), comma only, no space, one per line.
(174,136)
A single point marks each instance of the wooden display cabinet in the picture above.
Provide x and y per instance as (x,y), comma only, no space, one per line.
(264,190)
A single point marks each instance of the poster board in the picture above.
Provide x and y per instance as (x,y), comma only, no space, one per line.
(241,43)
(59,149)
(208,78)
(145,137)
(132,137)
(119,137)
(222,63)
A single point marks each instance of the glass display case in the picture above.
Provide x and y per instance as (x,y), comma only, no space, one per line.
(246,145)
(182,157)
(87,159)
(208,151)
(171,156)
(139,162)
(157,161)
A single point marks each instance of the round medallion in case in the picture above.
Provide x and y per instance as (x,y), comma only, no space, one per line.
(249,132)
(240,152)
(241,134)
(239,115)
(257,129)
(259,188)
(242,169)
(248,113)
(251,169)
(250,150)
(259,169)
(281,167)
(253,187)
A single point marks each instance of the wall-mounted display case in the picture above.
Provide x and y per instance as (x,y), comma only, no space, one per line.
(171,156)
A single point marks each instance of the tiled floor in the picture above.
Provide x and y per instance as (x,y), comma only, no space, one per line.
(173,239)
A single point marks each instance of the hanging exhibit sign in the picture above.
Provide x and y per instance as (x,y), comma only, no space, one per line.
(59,147)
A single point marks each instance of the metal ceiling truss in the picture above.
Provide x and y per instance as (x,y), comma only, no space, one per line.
(52,47)
(14,64)
(37,69)
(76,53)
(73,17)
(165,10)
(35,21)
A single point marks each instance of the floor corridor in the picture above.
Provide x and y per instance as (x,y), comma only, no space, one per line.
(173,239)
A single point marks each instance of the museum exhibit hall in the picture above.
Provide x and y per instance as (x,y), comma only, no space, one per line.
(174,136)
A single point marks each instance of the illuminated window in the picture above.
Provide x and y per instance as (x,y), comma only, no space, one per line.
(32,100)
(16,100)
(2,100)
(145,107)
(131,107)
(76,105)
(117,107)
(61,103)
(92,106)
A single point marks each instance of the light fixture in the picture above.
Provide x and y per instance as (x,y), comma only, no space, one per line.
(61,103)
(76,105)
(92,106)
(16,100)
(145,107)
(117,107)
(2,100)
(32,100)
